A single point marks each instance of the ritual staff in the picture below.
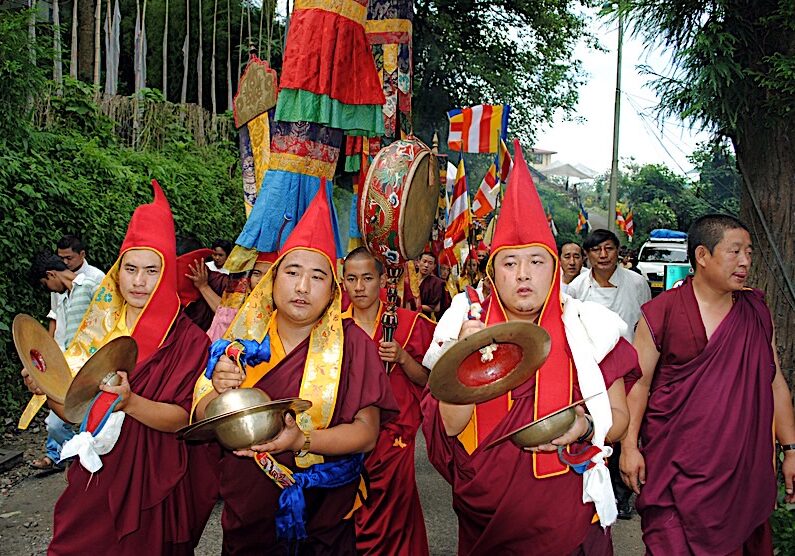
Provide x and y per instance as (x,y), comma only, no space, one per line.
(318,356)
(700,445)
(136,498)
(391,522)
(432,288)
(514,501)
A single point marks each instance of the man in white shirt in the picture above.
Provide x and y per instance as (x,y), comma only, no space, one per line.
(608,284)
(221,249)
(622,291)
(73,253)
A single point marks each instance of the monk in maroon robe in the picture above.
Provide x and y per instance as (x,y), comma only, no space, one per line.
(432,288)
(390,522)
(141,500)
(509,500)
(316,355)
(704,410)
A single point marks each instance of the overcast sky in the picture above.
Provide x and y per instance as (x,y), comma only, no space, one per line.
(590,143)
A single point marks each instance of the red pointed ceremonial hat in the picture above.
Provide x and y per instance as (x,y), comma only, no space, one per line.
(523,223)
(152,227)
(270,257)
(187,290)
(315,231)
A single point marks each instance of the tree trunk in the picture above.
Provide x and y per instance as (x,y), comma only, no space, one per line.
(200,61)
(185,52)
(766,157)
(85,52)
(73,44)
(57,64)
(228,56)
(213,99)
(164,84)
(97,42)
(240,45)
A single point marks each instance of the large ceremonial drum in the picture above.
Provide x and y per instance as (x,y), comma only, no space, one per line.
(398,202)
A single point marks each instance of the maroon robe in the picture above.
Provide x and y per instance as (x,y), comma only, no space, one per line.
(142,501)
(390,522)
(502,508)
(199,311)
(251,497)
(707,432)
(432,292)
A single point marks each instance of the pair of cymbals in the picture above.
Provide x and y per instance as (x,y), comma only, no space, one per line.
(247,416)
(489,363)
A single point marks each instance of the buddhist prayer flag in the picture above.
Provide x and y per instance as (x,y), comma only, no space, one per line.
(478,129)
(620,222)
(486,197)
(504,161)
(629,225)
(583,226)
(459,219)
(551,221)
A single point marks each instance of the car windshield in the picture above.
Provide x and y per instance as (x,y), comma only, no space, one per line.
(663,255)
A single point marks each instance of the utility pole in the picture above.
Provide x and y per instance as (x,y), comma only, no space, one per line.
(611,211)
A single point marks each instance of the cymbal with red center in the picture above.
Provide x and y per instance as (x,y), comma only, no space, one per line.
(41,357)
(489,363)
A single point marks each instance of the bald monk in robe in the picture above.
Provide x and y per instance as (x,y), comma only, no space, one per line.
(391,522)
(700,447)
(138,498)
(517,501)
(432,288)
(318,356)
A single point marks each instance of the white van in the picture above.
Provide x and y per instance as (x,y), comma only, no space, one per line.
(664,247)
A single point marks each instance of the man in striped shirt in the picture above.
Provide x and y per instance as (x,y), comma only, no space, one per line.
(50,271)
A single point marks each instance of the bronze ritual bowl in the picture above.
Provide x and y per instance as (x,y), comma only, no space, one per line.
(243,417)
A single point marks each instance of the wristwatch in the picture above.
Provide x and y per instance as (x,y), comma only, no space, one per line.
(787,447)
(305,448)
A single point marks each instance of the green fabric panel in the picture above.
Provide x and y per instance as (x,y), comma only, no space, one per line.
(295,105)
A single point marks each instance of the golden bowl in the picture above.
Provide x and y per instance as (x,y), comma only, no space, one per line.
(545,430)
(243,417)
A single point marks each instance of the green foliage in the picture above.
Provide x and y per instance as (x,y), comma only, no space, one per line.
(505,51)
(660,198)
(733,60)
(74,177)
(21,80)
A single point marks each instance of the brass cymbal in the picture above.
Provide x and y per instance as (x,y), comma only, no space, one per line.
(120,354)
(42,357)
(464,374)
(243,427)
(543,430)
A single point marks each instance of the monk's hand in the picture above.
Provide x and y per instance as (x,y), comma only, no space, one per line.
(788,470)
(470,327)
(30,383)
(227,375)
(291,439)
(197,273)
(391,352)
(577,429)
(122,390)
(633,468)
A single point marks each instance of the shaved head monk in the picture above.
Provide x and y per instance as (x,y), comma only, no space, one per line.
(700,446)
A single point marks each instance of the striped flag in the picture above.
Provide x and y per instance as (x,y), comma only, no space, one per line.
(620,222)
(504,161)
(583,226)
(460,218)
(478,129)
(629,225)
(486,197)
(551,222)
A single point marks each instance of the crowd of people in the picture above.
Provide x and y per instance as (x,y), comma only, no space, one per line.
(684,397)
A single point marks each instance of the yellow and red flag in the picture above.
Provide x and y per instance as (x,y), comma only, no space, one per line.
(478,129)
